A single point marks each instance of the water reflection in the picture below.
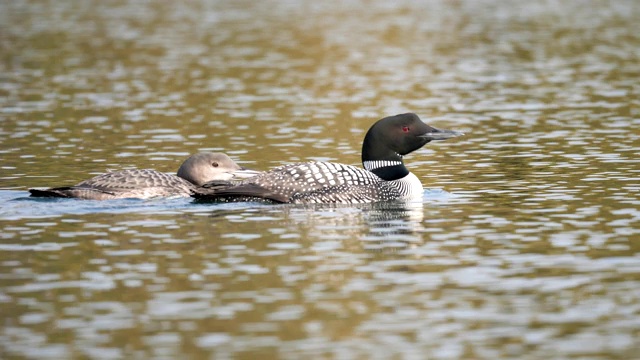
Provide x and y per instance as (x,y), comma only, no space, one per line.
(529,252)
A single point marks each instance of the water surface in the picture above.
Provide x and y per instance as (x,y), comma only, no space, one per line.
(525,245)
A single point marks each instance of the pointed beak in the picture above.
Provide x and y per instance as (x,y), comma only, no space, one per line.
(244,173)
(437,134)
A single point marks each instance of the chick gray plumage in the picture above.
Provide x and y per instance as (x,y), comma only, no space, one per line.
(145,183)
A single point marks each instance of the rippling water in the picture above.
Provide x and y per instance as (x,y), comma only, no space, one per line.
(526,243)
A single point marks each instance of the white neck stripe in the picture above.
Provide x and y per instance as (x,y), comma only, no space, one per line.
(376,164)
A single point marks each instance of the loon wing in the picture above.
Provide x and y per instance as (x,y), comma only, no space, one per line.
(345,193)
(332,194)
(97,193)
(72,192)
(228,191)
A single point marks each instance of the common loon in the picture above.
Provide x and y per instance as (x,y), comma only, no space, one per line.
(383,178)
(145,183)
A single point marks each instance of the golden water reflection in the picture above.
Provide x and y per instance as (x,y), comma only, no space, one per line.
(524,246)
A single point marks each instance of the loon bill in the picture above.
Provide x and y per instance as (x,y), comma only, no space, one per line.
(145,183)
(383,178)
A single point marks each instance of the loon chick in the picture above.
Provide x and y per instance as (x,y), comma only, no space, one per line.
(146,183)
(383,178)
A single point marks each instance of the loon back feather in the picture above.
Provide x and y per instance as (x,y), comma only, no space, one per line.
(308,182)
(245,190)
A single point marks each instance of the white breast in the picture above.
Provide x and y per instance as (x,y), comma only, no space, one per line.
(410,186)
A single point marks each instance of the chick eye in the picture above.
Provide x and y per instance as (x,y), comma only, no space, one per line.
(405,129)
(215,164)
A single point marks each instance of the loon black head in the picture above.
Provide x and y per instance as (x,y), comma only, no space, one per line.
(394,136)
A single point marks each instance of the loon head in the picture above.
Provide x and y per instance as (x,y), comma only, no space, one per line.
(394,136)
(201,168)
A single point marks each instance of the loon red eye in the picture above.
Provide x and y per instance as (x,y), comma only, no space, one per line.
(405,129)
(215,164)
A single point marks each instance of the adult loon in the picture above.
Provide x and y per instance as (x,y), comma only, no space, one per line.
(145,183)
(383,178)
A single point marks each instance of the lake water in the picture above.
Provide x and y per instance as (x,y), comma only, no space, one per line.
(526,244)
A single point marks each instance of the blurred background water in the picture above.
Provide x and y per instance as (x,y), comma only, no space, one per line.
(526,244)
